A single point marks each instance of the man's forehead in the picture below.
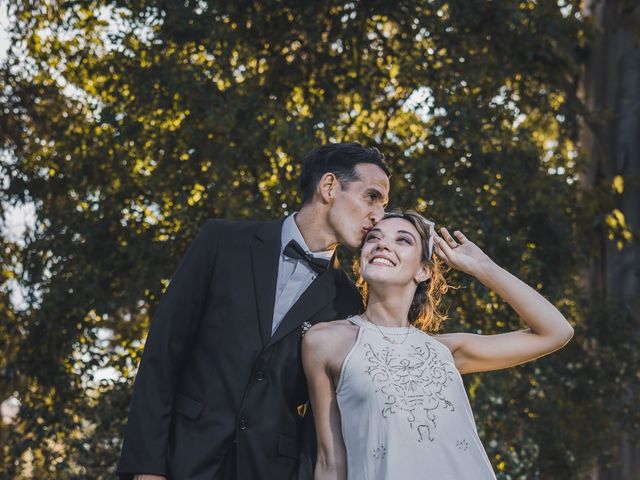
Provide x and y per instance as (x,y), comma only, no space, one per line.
(372,175)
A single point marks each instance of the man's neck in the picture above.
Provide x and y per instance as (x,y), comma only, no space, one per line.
(314,229)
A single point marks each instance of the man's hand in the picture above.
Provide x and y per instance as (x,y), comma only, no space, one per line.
(149,477)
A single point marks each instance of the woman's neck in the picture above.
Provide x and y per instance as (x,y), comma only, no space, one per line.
(388,310)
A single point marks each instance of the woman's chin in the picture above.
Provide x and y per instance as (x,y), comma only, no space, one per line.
(374,276)
(379,279)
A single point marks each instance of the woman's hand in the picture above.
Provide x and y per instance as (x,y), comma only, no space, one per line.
(460,252)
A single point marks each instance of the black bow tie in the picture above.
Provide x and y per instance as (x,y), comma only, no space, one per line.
(294,250)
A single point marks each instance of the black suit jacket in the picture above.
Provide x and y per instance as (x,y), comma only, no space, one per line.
(212,377)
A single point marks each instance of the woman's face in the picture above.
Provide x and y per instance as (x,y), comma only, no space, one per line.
(392,254)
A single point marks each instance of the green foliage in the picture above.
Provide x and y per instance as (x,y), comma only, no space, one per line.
(128,123)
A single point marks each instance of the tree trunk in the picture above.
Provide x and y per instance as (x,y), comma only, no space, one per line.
(611,89)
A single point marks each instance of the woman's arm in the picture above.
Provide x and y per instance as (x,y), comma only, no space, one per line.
(548,329)
(331,463)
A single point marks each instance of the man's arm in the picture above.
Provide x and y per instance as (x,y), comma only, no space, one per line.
(174,326)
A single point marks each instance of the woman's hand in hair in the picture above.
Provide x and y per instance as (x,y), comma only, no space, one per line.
(460,252)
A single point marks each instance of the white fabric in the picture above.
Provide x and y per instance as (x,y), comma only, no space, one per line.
(294,276)
(405,413)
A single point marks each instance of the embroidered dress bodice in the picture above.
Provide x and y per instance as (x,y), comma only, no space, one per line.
(404,410)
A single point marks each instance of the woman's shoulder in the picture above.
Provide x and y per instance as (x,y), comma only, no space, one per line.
(450,340)
(324,330)
(325,334)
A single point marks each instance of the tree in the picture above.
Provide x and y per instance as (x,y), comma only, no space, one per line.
(612,143)
(127,123)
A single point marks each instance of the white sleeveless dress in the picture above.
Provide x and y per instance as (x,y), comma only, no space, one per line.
(404,410)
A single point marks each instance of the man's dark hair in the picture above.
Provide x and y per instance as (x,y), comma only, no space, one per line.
(337,158)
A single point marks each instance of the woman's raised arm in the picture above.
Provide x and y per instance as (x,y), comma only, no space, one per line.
(547,330)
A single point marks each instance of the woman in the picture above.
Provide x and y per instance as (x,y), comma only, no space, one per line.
(386,390)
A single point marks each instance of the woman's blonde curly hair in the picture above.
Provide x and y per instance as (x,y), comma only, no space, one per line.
(425,312)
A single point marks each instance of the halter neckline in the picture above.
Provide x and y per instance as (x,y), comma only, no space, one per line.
(358,320)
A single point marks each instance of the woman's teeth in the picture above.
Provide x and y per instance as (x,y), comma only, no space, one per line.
(382,261)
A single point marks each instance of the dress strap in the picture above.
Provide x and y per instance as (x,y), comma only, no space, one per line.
(345,362)
(357,320)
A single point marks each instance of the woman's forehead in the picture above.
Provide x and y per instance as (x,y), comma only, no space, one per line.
(395,224)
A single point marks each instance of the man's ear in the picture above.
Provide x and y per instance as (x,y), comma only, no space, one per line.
(327,187)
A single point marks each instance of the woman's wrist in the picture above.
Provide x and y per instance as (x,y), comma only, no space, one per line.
(484,269)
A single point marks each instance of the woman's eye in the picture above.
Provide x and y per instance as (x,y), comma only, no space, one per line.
(371,237)
(405,240)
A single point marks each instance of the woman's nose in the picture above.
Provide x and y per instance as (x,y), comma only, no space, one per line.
(382,245)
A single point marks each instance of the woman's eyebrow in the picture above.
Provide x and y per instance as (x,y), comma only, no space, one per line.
(408,233)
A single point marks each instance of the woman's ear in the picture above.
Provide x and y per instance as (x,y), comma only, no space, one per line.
(423,274)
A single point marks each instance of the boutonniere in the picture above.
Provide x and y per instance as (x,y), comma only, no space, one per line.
(305,326)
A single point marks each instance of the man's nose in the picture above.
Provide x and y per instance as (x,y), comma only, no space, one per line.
(377,215)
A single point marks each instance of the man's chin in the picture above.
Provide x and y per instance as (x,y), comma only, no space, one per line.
(353,248)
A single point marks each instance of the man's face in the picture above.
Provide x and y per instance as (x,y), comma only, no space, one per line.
(357,208)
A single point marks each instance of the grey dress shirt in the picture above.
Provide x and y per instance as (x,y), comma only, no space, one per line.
(294,276)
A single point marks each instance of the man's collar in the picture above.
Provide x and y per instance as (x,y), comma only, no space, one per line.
(290,231)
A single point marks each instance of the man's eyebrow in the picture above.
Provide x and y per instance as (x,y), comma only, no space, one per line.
(377,194)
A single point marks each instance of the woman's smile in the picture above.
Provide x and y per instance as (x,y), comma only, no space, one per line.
(382,261)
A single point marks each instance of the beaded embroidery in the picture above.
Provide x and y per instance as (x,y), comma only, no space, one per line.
(411,382)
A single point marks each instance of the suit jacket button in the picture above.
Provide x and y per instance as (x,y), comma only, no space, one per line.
(259,375)
(242,424)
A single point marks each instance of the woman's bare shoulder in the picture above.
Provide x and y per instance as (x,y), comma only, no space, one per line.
(450,340)
(326,334)
(324,330)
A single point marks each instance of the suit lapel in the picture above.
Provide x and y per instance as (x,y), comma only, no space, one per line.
(321,291)
(265,255)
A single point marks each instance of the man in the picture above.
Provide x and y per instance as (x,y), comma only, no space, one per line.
(220,383)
